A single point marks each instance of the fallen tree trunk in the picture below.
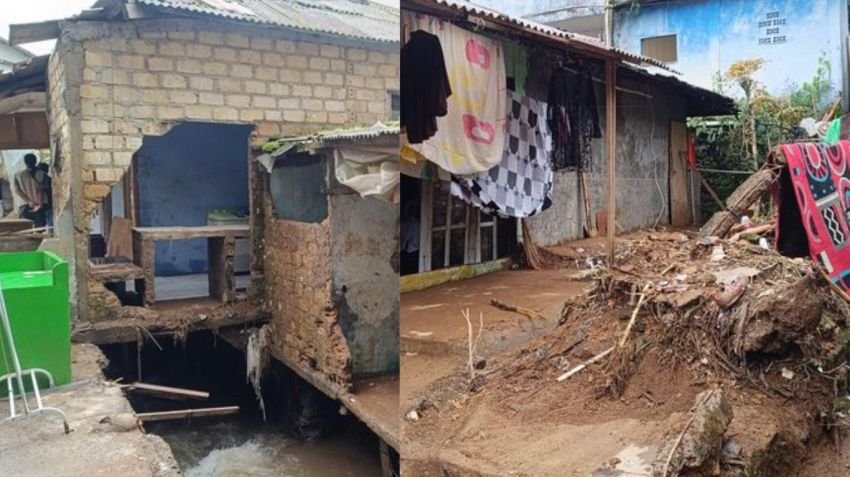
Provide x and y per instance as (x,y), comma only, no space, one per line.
(742,199)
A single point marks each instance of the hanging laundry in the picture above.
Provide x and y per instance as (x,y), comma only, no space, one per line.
(521,185)
(573,118)
(516,66)
(470,138)
(424,85)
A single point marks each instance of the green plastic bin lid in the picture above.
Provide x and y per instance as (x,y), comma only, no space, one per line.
(26,279)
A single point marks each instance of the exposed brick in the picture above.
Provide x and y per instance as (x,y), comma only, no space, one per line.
(302,90)
(238,100)
(261,44)
(284,46)
(313,77)
(294,116)
(227,85)
(173,81)
(255,87)
(289,76)
(334,79)
(264,102)
(225,114)
(184,97)
(241,71)
(273,115)
(227,55)
(94,126)
(215,68)
(322,64)
(196,50)
(289,103)
(268,129)
(377,57)
(160,64)
(131,62)
(108,174)
(335,106)
(250,56)
(357,54)
(329,51)
(142,47)
(156,96)
(296,61)
(94,91)
(211,38)
(132,143)
(98,58)
(375,83)
(312,104)
(97,157)
(200,83)
(337,118)
(251,115)
(237,40)
(189,66)
(172,48)
(198,112)
(265,73)
(322,92)
(181,35)
(142,112)
(123,158)
(317,117)
(169,112)
(273,59)
(278,89)
(377,107)
(145,80)
(215,99)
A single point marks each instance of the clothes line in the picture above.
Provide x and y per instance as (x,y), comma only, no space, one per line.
(619,88)
(721,171)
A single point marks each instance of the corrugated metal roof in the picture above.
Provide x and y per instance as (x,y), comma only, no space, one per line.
(322,138)
(465,7)
(361,19)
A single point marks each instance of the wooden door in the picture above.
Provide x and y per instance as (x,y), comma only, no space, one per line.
(680,210)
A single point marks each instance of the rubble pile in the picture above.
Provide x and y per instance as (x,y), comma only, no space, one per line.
(687,312)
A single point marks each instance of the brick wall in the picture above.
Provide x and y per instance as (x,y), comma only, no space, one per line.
(111,84)
(140,79)
(305,322)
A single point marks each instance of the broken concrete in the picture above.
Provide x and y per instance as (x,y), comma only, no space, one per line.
(100,418)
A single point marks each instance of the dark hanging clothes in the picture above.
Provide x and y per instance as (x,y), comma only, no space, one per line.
(424,86)
(573,119)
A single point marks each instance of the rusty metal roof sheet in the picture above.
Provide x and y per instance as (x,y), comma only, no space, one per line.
(539,29)
(280,146)
(362,19)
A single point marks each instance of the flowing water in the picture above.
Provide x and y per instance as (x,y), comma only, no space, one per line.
(230,447)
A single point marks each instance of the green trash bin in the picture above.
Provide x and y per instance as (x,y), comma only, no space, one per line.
(35,288)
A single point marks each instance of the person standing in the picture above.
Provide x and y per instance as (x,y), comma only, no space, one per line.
(30,184)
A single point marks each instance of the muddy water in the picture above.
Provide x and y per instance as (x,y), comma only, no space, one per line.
(229,447)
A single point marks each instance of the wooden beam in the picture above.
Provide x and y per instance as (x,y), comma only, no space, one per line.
(167,391)
(33,32)
(187,413)
(421,281)
(611,151)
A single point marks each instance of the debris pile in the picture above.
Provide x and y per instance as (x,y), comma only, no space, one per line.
(685,313)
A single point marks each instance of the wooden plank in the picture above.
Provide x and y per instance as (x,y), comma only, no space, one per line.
(8,226)
(115,272)
(680,211)
(421,281)
(144,254)
(120,242)
(611,151)
(205,231)
(33,32)
(187,413)
(167,391)
(218,276)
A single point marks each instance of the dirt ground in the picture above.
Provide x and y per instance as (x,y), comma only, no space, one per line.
(103,439)
(614,417)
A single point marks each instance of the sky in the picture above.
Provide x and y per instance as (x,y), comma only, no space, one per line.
(29,11)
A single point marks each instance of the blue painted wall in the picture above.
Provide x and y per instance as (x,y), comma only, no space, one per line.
(713,34)
(184,173)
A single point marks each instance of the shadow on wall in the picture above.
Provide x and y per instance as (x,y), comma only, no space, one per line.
(182,176)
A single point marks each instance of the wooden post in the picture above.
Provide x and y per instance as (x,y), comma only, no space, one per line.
(611,151)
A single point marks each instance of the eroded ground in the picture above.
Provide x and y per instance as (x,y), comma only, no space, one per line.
(768,347)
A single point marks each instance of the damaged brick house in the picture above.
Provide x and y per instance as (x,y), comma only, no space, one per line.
(157,111)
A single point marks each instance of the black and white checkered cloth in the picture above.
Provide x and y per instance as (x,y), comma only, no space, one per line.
(520,186)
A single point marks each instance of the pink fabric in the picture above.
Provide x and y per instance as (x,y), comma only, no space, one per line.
(821,180)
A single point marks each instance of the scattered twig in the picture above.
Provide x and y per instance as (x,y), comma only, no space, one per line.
(527,312)
(587,363)
(634,315)
(472,343)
